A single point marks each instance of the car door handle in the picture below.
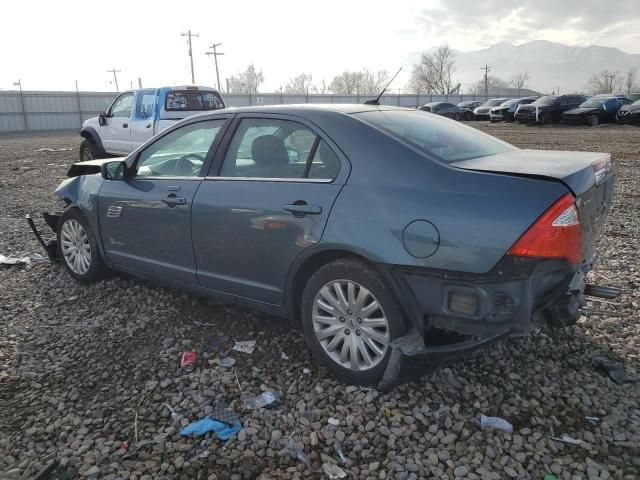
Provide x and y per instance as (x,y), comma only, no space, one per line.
(149,126)
(125,125)
(300,209)
(172,200)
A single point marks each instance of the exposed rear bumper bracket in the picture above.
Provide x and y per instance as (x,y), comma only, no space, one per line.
(601,292)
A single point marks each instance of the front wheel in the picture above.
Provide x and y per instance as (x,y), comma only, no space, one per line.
(89,150)
(457,117)
(349,318)
(78,247)
(593,120)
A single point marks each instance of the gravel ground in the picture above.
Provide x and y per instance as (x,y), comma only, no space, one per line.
(87,370)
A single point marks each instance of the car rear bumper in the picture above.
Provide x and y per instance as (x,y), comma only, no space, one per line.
(452,313)
(497,117)
(526,117)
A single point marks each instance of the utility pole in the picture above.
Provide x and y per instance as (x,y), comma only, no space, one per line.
(115,77)
(190,35)
(215,54)
(486,69)
(610,79)
(140,83)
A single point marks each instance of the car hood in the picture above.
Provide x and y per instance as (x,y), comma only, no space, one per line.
(89,167)
(581,111)
(532,108)
(629,108)
(574,169)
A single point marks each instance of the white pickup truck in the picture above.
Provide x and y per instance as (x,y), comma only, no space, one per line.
(136,116)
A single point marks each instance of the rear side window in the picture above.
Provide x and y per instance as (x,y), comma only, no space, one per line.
(274,148)
(436,136)
(192,100)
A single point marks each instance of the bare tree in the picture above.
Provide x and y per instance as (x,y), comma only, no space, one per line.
(519,80)
(605,82)
(300,85)
(629,80)
(364,82)
(247,81)
(492,83)
(433,73)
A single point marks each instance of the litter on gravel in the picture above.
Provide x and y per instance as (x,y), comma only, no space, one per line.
(495,423)
(567,439)
(247,346)
(333,471)
(224,431)
(26,260)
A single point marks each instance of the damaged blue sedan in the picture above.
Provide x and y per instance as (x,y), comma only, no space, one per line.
(397,240)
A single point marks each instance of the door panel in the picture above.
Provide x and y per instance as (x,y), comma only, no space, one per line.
(145,224)
(143,117)
(246,236)
(116,135)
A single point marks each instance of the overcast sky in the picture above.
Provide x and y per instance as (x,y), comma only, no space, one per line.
(49,44)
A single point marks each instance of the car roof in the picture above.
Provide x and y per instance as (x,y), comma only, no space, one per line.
(306,108)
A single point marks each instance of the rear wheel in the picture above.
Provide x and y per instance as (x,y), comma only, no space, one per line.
(593,120)
(89,150)
(457,117)
(349,318)
(78,247)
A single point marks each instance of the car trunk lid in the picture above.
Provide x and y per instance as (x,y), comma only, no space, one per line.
(589,176)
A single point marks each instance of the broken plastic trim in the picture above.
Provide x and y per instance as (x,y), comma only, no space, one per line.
(425,359)
(50,247)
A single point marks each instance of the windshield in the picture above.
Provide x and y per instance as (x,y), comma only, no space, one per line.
(593,102)
(493,102)
(636,103)
(546,100)
(438,137)
(192,100)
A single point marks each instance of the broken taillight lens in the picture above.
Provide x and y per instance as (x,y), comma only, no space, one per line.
(556,234)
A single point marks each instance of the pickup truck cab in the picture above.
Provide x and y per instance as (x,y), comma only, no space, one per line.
(136,116)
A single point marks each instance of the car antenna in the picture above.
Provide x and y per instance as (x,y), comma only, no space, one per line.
(377,100)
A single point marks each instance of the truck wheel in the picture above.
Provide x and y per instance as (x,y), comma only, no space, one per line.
(90,151)
(78,247)
(349,318)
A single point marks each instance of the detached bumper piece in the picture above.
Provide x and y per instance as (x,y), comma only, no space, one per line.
(411,358)
(51,246)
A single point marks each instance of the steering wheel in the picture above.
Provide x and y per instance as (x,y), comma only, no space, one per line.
(184,166)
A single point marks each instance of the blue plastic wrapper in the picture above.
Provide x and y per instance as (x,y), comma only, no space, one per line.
(224,431)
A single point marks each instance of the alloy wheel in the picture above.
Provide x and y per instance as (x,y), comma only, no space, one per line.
(350,325)
(86,154)
(75,246)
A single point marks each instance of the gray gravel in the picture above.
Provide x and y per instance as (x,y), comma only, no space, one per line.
(80,363)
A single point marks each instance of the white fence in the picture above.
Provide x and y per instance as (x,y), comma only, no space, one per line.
(40,110)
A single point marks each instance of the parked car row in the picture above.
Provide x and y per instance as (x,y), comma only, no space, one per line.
(569,109)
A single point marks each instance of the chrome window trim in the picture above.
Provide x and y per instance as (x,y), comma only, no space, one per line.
(168,177)
(273,179)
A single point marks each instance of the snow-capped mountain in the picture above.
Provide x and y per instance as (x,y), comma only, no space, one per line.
(550,65)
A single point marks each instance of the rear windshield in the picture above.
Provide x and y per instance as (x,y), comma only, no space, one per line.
(594,102)
(546,100)
(192,100)
(494,102)
(439,137)
(511,102)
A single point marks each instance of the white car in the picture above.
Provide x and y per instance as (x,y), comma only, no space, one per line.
(136,116)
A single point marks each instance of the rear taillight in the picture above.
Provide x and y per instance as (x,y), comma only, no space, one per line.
(601,168)
(556,234)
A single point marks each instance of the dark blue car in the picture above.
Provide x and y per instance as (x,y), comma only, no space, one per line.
(397,239)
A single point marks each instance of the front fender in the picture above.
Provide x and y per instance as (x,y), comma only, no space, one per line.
(91,133)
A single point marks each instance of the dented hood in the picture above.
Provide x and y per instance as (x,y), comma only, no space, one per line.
(89,167)
(574,169)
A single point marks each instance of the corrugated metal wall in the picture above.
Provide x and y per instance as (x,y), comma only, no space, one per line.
(67,110)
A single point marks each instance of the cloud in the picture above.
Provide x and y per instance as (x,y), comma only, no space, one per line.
(491,21)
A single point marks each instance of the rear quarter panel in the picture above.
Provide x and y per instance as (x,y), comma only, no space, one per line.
(479,216)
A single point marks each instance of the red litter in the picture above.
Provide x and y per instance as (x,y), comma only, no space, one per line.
(188,361)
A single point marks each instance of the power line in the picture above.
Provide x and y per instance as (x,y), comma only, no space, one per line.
(115,77)
(190,35)
(215,54)
(486,69)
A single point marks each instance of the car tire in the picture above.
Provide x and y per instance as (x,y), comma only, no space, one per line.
(78,247)
(374,329)
(89,150)
(593,121)
(545,118)
(457,117)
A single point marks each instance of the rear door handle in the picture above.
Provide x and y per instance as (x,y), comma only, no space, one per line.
(300,209)
(172,200)
(125,125)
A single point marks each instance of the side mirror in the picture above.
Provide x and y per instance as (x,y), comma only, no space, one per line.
(102,119)
(115,170)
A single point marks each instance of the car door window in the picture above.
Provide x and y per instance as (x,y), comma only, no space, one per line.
(145,105)
(122,106)
(269,148)
(181,152)
(325,164)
